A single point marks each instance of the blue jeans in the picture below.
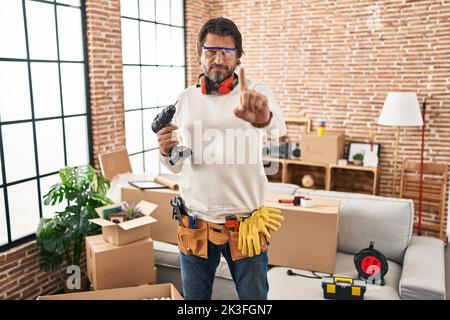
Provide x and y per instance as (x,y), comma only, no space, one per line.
(249,274)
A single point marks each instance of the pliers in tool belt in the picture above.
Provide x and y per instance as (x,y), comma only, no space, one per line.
(178,209)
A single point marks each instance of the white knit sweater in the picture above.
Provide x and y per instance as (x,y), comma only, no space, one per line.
(225,174)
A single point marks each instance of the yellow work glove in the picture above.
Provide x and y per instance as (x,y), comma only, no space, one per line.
(248,237)
(271,218)
(261,220)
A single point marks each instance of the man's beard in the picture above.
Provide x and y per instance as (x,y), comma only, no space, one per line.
(218,77)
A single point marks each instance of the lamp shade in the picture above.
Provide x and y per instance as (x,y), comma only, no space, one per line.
(401,109)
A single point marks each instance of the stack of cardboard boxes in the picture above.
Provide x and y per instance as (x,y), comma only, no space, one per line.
(122,256)
(121,262)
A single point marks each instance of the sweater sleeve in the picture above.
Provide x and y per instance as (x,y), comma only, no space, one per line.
(176,168)
(277,126)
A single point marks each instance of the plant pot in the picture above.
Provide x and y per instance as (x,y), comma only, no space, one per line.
(84,284)
(357,162)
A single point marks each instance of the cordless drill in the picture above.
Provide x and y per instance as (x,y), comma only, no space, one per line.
(164,119)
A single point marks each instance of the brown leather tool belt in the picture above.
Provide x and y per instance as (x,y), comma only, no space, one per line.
(195,241)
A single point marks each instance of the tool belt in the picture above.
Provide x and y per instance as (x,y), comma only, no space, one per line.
(193,234)
(195,241)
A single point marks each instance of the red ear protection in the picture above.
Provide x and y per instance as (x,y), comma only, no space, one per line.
(224,87)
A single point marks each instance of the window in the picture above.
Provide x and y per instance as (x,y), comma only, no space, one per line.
(153,51)
(43,108)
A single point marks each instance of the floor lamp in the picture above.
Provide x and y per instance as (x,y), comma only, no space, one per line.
(400,109)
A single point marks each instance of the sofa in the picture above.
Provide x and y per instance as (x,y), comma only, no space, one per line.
(416,264)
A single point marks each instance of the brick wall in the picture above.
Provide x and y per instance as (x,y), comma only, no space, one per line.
(21,278)
(337,60)
(196,14)
(105,75)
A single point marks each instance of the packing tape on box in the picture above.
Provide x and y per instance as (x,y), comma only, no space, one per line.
(306,202)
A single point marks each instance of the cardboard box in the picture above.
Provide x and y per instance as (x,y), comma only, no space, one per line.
(128,231)
(326,149)
(91,286)
(307,238)
(165,290)
(114,163)
(165,228)
(110,266)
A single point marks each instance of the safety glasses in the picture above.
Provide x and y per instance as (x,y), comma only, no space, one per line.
(211,52)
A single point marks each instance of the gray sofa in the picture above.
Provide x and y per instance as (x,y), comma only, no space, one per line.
(416,264)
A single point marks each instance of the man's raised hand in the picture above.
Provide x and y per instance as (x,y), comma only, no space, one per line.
(254,107)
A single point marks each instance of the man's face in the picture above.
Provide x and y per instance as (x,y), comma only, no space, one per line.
(218,64)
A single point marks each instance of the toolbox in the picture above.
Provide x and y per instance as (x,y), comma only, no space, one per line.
(342,288)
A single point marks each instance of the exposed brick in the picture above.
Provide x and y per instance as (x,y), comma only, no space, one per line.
(105,61)
(16,296)
(22,279)
(9,266)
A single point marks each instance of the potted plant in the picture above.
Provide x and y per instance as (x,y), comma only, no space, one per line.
(61,237)
(132,211)
(358,159)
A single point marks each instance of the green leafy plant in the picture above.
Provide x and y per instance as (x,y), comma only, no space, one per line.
(61,237)
(358,157)
(133,211)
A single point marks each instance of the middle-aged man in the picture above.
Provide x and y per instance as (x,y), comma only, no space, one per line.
(223,183)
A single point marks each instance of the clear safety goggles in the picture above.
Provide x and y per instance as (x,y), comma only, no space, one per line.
(211,52)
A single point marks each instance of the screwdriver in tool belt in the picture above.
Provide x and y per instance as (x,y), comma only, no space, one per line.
(192,222)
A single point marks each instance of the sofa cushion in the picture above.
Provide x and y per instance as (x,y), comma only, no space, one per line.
(423,273)
(364,218)
(282,188)
(285,287)
(167,255)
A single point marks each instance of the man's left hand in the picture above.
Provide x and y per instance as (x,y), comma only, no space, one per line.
(254,107)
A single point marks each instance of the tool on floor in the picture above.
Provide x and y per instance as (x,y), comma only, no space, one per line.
(289,272)
(371,264)
(164,119)
(343,288)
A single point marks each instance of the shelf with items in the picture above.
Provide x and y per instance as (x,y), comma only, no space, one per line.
(352,178)
(296,170)
(349,178)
